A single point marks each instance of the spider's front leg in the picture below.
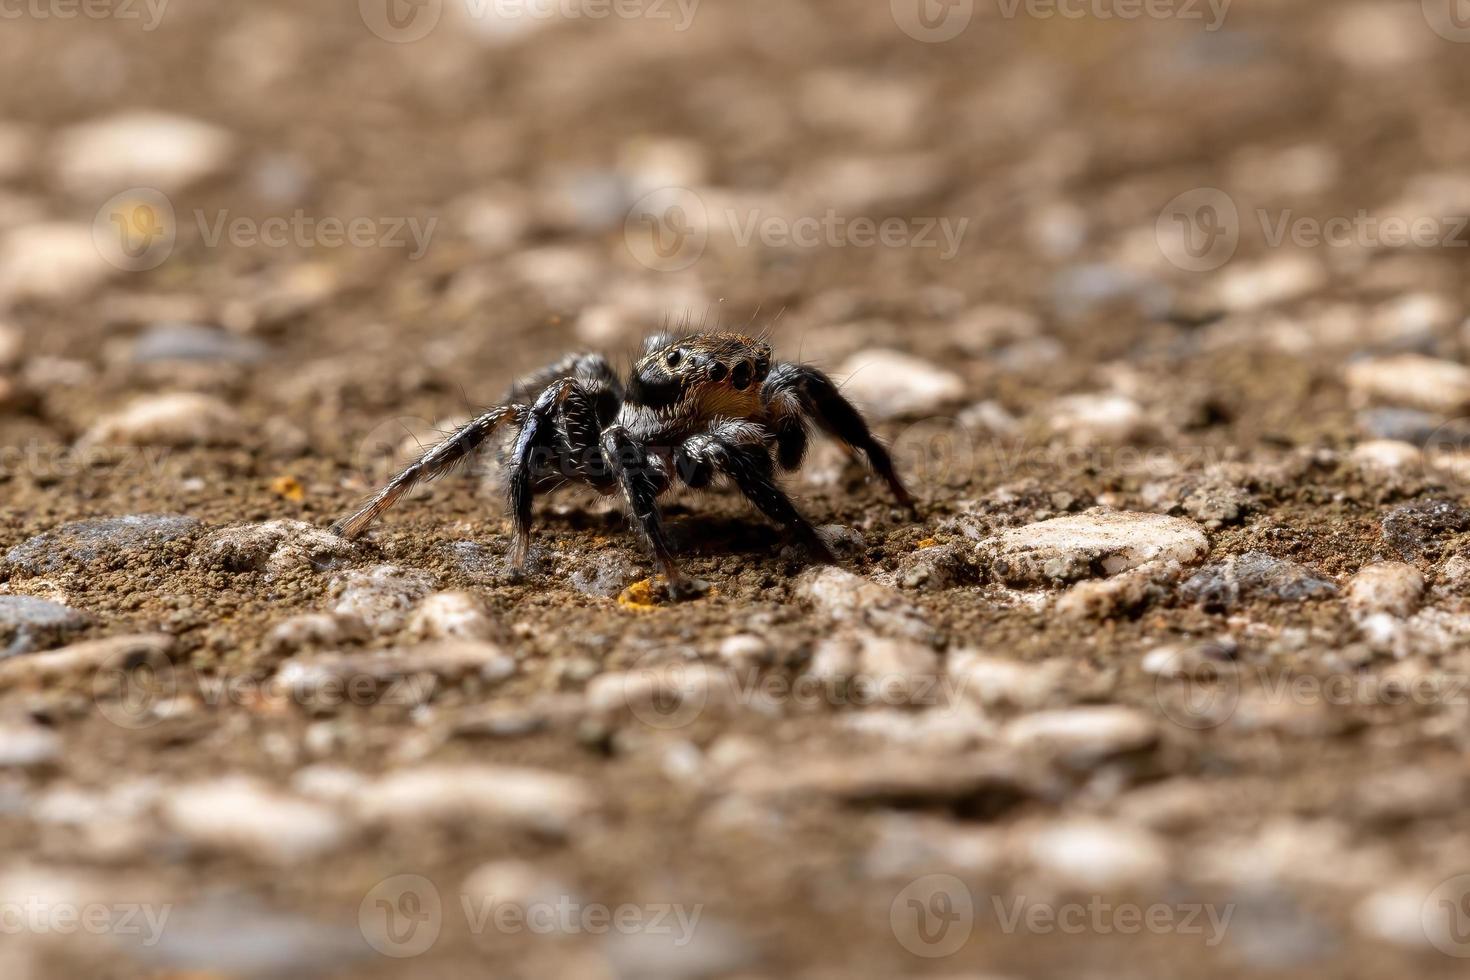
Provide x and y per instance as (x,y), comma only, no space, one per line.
(642,479)
(738,450)
(797,393)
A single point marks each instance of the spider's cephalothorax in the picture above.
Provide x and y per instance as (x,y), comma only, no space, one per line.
(693,409)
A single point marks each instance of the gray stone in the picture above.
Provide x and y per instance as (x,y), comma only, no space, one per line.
(97,540)
(1416,530)
(28,623)
(1254,575)
(380,596)
(604,575)
(192,342)
(274,547)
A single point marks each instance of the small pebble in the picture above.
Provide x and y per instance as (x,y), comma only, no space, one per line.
(239,814)
(277,548)
(381,596)
(1253,576)
(1092,544)
(98,539)
(140,149)
(178,419)
(1386,587)
(528,799)
(1084,736)
(451,616)
(891,384)
(1412,380)
(28,623)
(1109,419)
(1090,854)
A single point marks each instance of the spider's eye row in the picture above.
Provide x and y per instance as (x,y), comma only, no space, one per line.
(717,371)
(673,357)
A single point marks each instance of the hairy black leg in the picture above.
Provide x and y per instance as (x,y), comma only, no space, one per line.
(437,461)
(642,480)
(804,389)
(737,450)
(535,458)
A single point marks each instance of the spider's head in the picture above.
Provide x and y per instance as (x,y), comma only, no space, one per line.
(716,373)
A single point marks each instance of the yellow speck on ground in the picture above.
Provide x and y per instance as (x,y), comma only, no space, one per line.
(926,543)
(288,487)
(639,596)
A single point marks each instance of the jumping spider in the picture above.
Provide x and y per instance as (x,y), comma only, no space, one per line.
(693,408)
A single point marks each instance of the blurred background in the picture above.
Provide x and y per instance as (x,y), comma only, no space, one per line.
(252,254)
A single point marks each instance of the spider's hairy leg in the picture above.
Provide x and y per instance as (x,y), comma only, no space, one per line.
(804,391)
(738,451)
(642,479)
(437,461)
(591,368)
(534,447)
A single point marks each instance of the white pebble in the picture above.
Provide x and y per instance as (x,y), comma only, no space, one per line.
(531,799)
(179,419)
(1388,456)
(150,149)
(51,261)
(1412,380)
(889,383)
(380,596)
(1093,854)
(1084,734)
(1391,587)
(1102,418)
(237,813)
(451,616)
(1098,542)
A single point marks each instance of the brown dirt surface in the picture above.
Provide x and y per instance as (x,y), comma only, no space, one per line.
(1175,284)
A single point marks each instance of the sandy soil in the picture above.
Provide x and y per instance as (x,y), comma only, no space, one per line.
(1171,287)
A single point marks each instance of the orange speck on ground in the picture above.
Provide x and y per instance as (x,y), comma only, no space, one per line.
(288,487)
(926,543)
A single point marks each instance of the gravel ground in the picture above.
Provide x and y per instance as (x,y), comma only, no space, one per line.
(1161,307)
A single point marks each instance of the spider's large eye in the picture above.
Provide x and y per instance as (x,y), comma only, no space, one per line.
(717,372)
(673,357)
(740,377)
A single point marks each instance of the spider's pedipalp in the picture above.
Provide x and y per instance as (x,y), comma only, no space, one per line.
(796,393)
